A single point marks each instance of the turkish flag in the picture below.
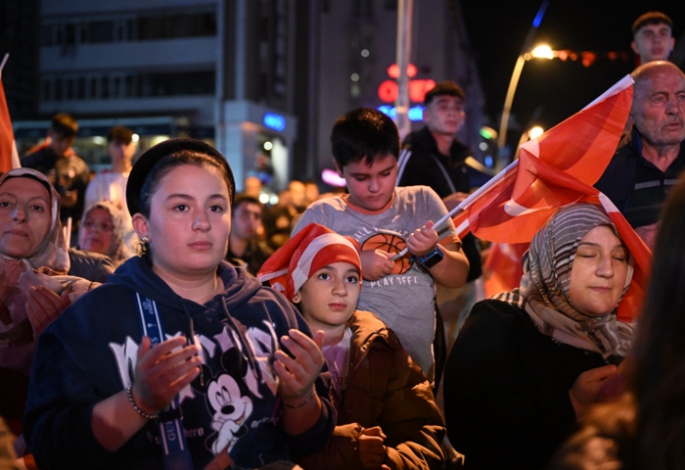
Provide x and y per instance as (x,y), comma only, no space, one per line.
(503,267)
(555,170)
(9,158)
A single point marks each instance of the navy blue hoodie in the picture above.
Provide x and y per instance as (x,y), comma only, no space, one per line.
(89,354)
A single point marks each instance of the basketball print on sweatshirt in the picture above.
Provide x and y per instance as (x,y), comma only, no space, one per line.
(390,242)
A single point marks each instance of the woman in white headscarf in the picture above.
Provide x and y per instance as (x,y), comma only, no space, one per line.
(34,287)
(528,363)
(102,230)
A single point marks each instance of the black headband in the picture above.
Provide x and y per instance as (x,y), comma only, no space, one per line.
(147,161)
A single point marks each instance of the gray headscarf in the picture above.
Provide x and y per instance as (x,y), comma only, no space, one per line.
(545,284)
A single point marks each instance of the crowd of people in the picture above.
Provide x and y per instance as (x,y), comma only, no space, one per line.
(192,327)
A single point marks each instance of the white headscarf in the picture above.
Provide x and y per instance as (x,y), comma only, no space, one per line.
(118,251)
(52,251)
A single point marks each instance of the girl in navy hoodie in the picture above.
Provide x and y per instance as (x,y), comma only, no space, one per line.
(178,332)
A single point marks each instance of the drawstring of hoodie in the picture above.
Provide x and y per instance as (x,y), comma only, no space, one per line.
(242,343)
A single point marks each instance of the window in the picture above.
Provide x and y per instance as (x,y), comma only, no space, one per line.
(84,32)
(177,26)
(104,91)
(70,37)
(129,29)
(69,89)
(189,83)
(46,35)
(128,86)
(47,96)
(101,31)
(93,92)
(59,34)
(81,88)
(58,89)
(116,87)
(119,32)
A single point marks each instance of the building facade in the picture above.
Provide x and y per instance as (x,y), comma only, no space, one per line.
(262,80)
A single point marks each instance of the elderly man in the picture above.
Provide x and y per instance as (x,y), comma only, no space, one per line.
(650,158)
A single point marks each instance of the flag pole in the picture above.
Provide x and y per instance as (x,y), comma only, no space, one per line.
(466,203)
(4,61)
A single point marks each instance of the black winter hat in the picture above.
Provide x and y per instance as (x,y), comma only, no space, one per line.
(148,160)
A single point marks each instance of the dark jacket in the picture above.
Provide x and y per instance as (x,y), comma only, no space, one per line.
(384,388)
(506,389)
(94,267)
(66,174)
(422,168)
(88,354)
(255,255)
(626,169)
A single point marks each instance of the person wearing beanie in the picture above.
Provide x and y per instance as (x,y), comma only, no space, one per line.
(387,417)
(178,346)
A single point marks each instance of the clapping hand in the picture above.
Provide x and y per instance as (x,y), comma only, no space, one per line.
(162,372)
(298,373)
(43,306)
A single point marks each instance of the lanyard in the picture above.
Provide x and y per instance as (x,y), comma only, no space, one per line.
(176,454)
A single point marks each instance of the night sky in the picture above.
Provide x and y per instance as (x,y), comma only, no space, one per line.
(554,89)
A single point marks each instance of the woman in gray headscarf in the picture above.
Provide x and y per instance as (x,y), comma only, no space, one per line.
(102,230)
(528,363)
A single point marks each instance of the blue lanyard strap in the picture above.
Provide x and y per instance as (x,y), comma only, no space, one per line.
(176,454)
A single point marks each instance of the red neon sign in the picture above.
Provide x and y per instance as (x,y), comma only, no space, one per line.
(388,89)
(394,70)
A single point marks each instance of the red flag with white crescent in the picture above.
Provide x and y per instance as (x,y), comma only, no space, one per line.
(9,158)
(554,170)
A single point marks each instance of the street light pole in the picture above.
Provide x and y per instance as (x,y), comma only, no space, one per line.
(404,19)
(506,112)
(518,68)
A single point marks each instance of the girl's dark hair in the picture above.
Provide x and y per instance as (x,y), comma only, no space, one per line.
(658,373)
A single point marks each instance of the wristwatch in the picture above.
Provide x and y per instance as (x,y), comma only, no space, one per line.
(431,259)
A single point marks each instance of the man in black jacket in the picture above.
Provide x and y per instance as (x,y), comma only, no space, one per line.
(433,156)
(65,170)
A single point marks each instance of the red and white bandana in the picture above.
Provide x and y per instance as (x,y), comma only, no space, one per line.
(314,247)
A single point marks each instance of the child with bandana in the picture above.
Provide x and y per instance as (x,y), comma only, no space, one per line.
(387,416)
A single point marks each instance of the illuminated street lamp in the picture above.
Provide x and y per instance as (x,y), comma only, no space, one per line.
(543,51)
(539,52)
(533,133)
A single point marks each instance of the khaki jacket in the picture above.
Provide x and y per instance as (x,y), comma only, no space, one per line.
(385,388)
